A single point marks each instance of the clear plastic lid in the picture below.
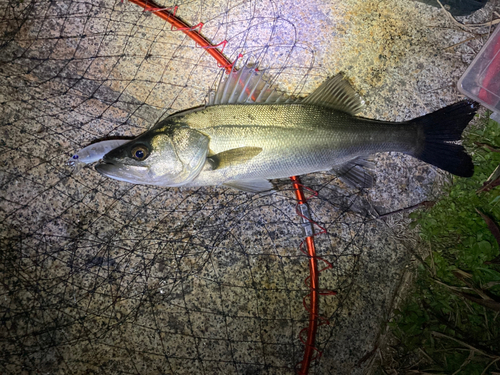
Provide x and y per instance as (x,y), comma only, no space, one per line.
(481,80)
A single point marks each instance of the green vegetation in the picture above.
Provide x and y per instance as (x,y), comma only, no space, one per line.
(451,319)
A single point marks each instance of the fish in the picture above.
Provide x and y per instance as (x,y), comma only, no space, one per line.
(249,133)
(93,152)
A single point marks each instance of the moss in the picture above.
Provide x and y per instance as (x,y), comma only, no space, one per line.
(455,333)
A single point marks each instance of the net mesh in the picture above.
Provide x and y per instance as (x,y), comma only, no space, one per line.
(100,276)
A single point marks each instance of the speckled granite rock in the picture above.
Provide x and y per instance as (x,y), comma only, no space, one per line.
(102,277)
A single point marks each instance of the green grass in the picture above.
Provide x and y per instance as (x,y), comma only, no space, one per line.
(451,333)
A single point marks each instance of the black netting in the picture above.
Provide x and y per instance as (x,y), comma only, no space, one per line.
(104,277)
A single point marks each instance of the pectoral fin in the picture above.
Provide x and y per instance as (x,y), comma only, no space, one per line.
(233,157)
(355,173)
(251,186)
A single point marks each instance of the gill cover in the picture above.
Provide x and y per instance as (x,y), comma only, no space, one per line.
(180,154)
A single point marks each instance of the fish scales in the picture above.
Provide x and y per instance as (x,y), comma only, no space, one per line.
(295,138)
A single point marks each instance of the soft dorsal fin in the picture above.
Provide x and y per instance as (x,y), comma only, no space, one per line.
(336,93)
(248,85)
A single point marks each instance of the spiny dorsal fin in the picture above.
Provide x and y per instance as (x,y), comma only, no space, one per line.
(247,85)
(233,157)
(336,93)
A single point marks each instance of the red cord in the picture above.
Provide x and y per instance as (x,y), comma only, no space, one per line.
(312,282)
(180,25)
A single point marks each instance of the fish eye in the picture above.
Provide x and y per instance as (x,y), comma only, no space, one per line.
(140,152)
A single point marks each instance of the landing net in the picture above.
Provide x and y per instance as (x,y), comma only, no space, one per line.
(103,277)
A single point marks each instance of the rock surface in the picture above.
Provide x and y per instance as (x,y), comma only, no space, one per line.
(103,277)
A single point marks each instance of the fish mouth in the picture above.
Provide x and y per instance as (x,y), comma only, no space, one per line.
(134,174)
(105,168)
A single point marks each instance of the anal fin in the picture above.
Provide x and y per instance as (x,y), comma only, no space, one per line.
(355,173)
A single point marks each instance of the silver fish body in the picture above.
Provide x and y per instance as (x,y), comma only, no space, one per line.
(295,139)
(234,143)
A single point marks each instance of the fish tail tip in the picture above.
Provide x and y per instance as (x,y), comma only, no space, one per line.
(441,132)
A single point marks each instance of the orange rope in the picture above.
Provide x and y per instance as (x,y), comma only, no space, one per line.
(314,296)
(177,23)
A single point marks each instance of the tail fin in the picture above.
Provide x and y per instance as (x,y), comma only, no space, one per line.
(442,127)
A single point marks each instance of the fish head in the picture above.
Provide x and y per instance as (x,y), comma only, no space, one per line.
(164,156)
